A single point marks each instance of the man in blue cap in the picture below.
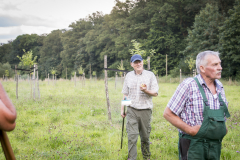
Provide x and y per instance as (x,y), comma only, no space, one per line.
(139,86)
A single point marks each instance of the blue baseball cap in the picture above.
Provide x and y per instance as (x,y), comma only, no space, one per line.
(136,57)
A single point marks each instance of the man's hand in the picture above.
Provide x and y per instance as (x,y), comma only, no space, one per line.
(8,113)
(194,130)
(177,122)
(122,112)
(143,87)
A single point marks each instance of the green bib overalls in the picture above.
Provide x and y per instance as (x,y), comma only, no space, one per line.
(206,144)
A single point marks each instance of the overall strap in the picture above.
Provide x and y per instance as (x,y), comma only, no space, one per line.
(222,103)
(202,92)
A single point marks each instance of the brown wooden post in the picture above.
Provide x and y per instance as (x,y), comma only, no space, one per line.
(53,78)
(115,80)
(48,78)
(106,88)
(83,78)
(16,75)
(38,83)
(75,79)
(148,59)
(34,80)
(90,71)
(121,73)
(66,73)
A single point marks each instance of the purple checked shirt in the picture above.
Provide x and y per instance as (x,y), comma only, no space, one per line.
(187,101)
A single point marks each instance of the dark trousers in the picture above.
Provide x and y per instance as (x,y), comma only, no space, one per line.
(183,147)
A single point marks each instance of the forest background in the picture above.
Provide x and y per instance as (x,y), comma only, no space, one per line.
(179,29)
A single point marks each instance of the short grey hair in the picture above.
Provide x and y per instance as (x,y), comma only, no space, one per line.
(201,58)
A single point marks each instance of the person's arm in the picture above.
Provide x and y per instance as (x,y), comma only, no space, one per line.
(122,108)
(148,92)
(177,122)
(8,112)
(153,91)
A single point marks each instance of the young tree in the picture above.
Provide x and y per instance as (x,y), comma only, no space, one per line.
(137,50)
(27,60)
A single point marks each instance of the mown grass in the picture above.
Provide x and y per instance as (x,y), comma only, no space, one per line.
(70,122)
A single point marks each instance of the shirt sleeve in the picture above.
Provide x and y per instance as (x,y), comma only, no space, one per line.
(125,89)
(154,84)
(179,99)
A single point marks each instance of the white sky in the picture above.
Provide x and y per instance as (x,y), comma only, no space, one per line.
(19,17)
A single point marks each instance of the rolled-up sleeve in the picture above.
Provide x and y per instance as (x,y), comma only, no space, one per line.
(125,89)
(179,98)
(154,84)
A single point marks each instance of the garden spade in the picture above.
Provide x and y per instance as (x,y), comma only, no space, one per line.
(125,102)
(6,146)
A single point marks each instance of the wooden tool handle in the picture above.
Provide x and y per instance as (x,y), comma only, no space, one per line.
(6,146)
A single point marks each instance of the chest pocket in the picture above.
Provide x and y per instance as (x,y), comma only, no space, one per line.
(216,128)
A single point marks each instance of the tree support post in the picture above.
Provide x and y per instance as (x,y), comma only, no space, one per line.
(75,79)
(106,88)
(16,81)
(34,80)
(115,80)
(38,83)
(66,73)
(148,60)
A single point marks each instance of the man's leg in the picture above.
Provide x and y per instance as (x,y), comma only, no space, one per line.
(183,147)
(144,130)
(132,130)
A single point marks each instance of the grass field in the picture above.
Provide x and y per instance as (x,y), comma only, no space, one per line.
(70,122)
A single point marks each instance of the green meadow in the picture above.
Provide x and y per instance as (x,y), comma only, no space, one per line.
(69,122)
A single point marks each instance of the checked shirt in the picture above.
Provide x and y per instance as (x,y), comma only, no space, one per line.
(131,88)
(187,101)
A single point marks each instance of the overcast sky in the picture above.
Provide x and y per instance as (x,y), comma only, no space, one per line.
(19,17)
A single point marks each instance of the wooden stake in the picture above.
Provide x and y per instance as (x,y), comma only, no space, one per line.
(38,83)
(115,80)
(75,79)
(106,88)
(66,73)
(148,59)
(83,78)
(90,71)
(16,81)
(34,82)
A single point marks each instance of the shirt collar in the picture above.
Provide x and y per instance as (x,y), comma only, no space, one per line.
(202,81)
(139,74)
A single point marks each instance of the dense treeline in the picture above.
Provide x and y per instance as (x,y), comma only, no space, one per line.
(176,28)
